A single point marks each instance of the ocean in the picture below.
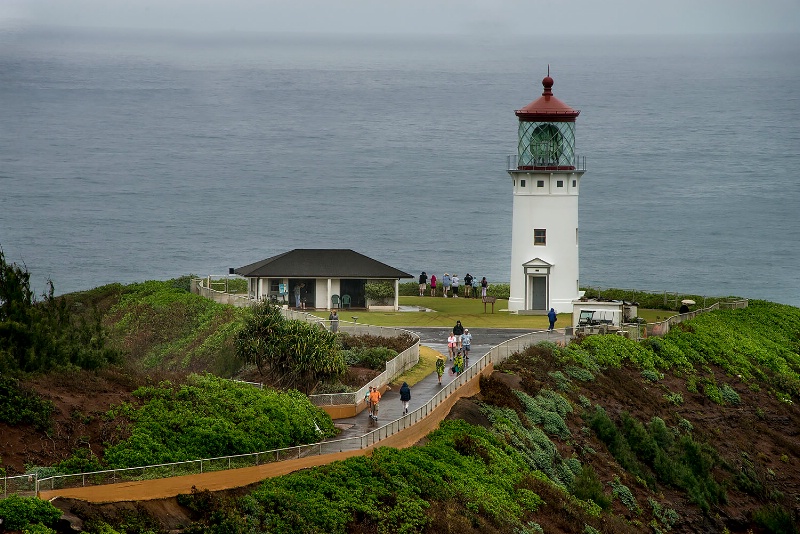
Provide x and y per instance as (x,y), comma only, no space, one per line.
(130,156)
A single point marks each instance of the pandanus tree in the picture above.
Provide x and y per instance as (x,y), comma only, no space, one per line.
(289,354)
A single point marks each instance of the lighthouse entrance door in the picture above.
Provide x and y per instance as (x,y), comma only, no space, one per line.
(537,292)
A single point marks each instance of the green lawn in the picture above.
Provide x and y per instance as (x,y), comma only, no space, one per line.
(447,312)
(469,311)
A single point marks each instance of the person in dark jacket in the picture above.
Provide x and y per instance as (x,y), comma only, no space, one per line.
(458,331)
(405,396)
(551,315)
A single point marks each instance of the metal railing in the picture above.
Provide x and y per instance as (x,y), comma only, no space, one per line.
(20,485)
(495,355)
(644,330)
(578,164)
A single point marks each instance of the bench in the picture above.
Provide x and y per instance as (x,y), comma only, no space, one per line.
(488,299)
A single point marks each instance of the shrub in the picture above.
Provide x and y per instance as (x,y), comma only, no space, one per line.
(19,405)
(652,375)
(376,357)
(20,512)
(729,395)
(625,495)
(379,291)
(775,518)
(587,486)
(209,417)
(579,373)
(674,398)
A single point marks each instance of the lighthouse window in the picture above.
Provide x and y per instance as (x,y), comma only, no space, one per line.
(522,183)
(540,183)
(560,183)
(574,183)
(539,236)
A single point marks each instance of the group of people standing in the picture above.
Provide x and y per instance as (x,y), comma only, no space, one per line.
(451,284)
(459,343)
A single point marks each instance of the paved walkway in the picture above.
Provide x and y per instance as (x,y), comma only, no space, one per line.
(390,410)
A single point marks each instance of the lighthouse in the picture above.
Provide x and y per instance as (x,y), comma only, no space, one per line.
(546,178)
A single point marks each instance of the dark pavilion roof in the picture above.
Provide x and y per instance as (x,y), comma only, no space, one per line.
(320,263)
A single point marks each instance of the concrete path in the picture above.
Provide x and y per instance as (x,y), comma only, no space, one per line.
(391,408)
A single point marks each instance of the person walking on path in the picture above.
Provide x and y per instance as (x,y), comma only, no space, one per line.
(455,285)
(446,281)
(439,368)
(468,285)
(433,285)
(334,319)
(551,315)
(458,364)
(451,345)
(458,331)
(405,396)
(466,342)
(374,399)
(423,283)
(484,285)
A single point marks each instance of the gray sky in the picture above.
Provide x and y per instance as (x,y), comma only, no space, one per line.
(491,17)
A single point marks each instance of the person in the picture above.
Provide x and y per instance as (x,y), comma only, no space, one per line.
(374,399)
(423,283)
(334,319)
(468,285)
(684,309)
(466,342)
(455,285)
(439,368)
(451,345)
(367,402)
(433,285)
(405,396)
(297,295)
(551,316)
(458,331)
(458,364)
(446,281)
(484,285)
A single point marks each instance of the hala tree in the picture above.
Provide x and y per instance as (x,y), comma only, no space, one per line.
(291,354)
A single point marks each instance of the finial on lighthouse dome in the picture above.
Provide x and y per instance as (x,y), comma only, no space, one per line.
(547,83)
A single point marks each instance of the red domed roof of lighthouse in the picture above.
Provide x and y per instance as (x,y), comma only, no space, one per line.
(547,108)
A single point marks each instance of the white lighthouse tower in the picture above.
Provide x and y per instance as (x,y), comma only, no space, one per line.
(546,176)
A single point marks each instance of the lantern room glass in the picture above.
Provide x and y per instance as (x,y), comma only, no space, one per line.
(546,144)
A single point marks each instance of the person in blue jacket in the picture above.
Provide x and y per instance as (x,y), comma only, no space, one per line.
(552,316)
(405,396)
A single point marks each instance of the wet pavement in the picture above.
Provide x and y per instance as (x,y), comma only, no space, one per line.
(391,408)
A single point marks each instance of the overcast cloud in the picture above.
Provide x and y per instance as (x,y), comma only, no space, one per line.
(494,17)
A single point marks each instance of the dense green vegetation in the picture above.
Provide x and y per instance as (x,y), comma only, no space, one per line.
(29,513)
(660,455)
(162,325)
(19,405)
(760,342)
(293,354)
(209,417)
(48,334)
(463,476)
